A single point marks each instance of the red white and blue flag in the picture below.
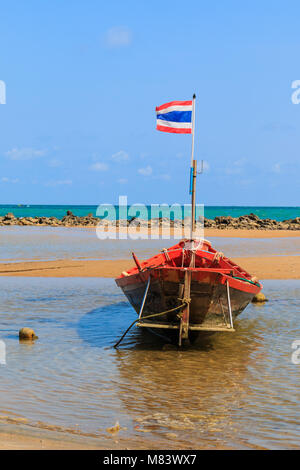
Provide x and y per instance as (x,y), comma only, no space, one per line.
(175,117)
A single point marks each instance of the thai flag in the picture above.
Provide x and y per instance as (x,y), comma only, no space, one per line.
(175,117)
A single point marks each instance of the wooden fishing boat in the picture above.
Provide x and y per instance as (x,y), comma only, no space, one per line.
(190,288)
(187,290)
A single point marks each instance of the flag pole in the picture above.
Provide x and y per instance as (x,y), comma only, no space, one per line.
(193,172)
(193,128)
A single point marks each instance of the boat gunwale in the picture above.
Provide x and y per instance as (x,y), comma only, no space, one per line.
(238,284)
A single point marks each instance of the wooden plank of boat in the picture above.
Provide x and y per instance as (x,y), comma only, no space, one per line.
(171,326)
(185,315)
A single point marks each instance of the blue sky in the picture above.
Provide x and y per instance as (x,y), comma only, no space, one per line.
(83,79)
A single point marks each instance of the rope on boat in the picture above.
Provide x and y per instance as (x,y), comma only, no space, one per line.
(218,256)
(185,302)
(246,280)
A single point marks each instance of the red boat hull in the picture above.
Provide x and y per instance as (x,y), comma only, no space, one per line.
(211,285)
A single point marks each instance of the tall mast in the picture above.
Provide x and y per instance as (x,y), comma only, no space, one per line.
(193,173)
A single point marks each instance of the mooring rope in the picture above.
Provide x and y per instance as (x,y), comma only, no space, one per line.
(186,301)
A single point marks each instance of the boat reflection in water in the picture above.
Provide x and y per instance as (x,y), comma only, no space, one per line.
(190,398)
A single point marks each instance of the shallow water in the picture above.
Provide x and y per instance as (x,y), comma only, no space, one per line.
(237,390)
(52,243)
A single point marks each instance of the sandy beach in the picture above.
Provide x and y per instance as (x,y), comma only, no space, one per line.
(16,441)
(245,233)
(22,437)
(266,267)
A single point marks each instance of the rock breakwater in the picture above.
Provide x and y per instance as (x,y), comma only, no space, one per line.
(247,222)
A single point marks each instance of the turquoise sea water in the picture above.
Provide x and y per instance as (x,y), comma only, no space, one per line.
(277,213)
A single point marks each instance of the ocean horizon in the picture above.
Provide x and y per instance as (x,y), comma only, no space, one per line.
(278,213)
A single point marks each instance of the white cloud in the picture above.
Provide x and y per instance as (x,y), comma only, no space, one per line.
(123,180)
(233,171)
(59,183)
(276,168)
(99,166)
(54,163)
(277,127)
(120,156)
(119,36)
(241,162)
(237,167)
(9,180)
(246,182)
(147,171)
(165,177)
(206,166)
(25,153)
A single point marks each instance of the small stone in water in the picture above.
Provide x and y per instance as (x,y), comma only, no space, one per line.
(27,334)
(114,429)
(260,297)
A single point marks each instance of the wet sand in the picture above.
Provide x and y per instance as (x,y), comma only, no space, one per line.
(14,441)
(20,437)
(245,233)
(28,440)
(207,233)
(264,267)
